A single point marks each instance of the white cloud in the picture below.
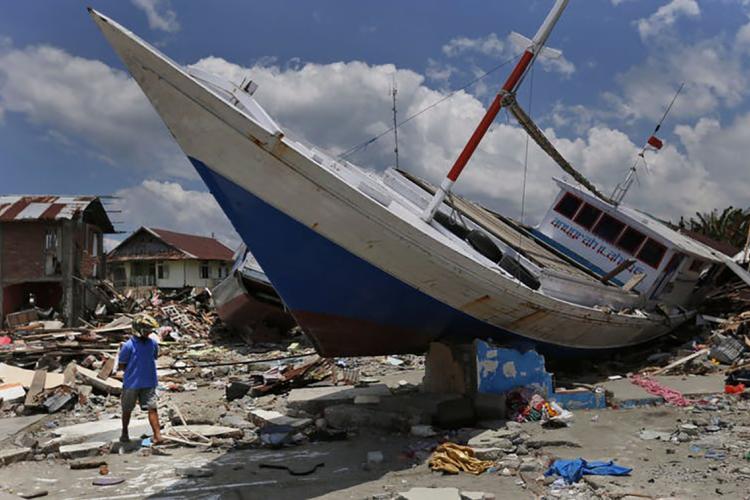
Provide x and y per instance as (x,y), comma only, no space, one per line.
(159,14)
(665,16)
(438,71)
(92,105)
(713,72)
(167,205)
(489,45)
(337,105)
(494,47)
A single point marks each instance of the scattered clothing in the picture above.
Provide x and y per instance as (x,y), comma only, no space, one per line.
(453,458)
(573,470)
(651,386)
(139,357)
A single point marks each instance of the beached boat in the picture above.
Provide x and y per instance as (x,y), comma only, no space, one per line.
(248,304)
(372,264)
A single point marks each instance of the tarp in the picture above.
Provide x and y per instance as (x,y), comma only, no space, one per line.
(573,470)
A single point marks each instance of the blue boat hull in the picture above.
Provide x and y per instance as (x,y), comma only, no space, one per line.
(346,305)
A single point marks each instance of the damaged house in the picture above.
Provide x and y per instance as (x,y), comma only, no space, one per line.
(153,257)
(49,247)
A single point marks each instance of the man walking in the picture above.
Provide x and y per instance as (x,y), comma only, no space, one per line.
(137,358)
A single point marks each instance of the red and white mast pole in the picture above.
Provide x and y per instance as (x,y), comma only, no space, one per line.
(510,86)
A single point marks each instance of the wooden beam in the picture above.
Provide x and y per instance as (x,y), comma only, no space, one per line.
(617,270)
(37,386)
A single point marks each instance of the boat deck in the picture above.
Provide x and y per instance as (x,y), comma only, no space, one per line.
(513,234)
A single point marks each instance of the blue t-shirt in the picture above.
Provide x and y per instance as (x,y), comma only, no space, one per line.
(139,357)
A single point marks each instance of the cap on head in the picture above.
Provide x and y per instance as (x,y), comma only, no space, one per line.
(143,325)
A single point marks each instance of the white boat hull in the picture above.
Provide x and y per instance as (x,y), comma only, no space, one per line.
(360,277)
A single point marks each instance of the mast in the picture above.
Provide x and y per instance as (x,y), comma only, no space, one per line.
(653,143)
(394,91)
(510,86)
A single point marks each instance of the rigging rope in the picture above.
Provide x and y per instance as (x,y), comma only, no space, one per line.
(535,132)
(363,145)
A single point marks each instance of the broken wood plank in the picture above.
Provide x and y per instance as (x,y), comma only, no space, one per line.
(681,361)
(37,386)
(107,368)
(617,270)
(69,375)
(90,377)
(634,281)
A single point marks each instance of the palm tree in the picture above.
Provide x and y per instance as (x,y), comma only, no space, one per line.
(730,225)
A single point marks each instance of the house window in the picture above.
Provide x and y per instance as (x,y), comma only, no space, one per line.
(652,252)
(162,271)
(568,205)
(223,271)
(631,240)
(608,228)
(587,216)
(95,244)
(50,240)
(204,270)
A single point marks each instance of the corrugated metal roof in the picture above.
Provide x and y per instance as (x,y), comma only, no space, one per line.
(53,207)
(42,207)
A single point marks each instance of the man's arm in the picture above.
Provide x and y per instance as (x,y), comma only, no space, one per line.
(123,357)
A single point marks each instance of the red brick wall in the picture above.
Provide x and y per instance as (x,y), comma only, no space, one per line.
(22,251)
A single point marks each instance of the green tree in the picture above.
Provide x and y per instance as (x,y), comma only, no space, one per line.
(729,225)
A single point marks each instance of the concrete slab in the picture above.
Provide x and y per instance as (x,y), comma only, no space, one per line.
(11,455)
(218,431)
(420,493)
(628,395)
(12,393)
(13,425)
(88,449)
(102,430)
(10,374)
(315,399)
(261,417)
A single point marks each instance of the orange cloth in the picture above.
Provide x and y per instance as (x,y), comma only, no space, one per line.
(454,458)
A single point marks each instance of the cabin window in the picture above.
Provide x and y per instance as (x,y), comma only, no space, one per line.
(568,205)
(652,252)
(631,240)
(697,265)
(608,228)
(587,216)
(204,270)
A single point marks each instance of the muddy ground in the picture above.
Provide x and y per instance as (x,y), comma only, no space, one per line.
(660,468)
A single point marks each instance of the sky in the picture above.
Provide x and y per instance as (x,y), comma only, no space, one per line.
(72,121)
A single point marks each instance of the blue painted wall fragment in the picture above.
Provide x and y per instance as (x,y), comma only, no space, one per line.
(580,400)
(500,370)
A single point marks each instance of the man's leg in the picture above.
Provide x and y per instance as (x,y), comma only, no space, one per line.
(149,402)
(127,401)
(153,419)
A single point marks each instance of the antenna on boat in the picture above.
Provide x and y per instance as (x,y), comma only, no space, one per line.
(394,91)
(652,143)
(508,90)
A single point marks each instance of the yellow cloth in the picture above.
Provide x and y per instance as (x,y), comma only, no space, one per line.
(453,458)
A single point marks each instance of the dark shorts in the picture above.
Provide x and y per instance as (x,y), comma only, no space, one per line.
(145,397)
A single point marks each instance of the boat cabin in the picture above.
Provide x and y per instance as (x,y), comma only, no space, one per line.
(664,265)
